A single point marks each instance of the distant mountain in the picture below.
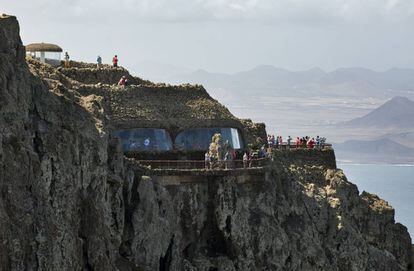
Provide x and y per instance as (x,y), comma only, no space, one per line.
(267,80)
(382,150)
(159,72)
(405,138)
(397,112)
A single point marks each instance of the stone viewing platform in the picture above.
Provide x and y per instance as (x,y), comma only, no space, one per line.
(185,172)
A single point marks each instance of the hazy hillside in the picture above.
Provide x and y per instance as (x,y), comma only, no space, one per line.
(346,103)
(375,151)
(266,79)
(405,138)
(397,112)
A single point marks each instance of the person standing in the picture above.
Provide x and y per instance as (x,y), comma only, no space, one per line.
(227,160)
(318,142)
(99,61)
(269,140)
(67,58)
(207,160)
(250,158)
(289,140)
(245,160)
(115,61)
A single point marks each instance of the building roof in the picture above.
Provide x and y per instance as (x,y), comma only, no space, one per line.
(147,105)
(162,106)
(43,47)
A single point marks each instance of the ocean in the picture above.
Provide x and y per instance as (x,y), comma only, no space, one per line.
(393,183)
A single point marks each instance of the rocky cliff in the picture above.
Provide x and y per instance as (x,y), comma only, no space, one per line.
(71,201)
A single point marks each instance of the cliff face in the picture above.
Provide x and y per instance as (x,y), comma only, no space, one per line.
(70,201)
(293,218)
(60,204)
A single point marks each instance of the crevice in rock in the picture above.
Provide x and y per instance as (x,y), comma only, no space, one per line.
(84,230)
(87,266)
(52,182)
(127,235)
(165,261)
(213,238)
(228,224)
(38,145)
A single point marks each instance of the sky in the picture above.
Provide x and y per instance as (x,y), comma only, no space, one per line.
(224,35)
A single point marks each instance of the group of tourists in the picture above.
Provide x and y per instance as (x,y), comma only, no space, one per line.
(250,156)
(300,142)
(211,161)
(98,61)
(230,156)
(219,154)
(277,141)
(114,61)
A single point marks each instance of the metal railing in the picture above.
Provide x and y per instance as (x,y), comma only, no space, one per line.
(223,165)
(285,146)
(200,164)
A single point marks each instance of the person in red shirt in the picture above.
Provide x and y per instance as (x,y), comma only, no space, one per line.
(122,81)
(115,61)
(311,143)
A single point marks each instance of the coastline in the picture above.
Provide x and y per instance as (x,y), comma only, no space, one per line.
(353,163)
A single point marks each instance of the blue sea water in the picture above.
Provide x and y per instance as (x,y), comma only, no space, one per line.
(393,183)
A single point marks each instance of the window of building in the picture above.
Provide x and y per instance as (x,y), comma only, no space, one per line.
(144,139)
(200,138)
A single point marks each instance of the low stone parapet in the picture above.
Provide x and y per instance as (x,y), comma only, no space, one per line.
(306,157)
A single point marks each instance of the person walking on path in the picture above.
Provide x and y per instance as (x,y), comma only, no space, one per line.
(115,61)
(67,58)
(99,61)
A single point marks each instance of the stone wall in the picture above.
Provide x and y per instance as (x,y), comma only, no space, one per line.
(315,157)
(255,133)
(104,75)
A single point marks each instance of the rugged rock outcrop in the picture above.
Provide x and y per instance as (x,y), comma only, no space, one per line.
(69,200)
(60,204)
(142,103)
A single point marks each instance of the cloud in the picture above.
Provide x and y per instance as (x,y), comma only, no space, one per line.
(279,11)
